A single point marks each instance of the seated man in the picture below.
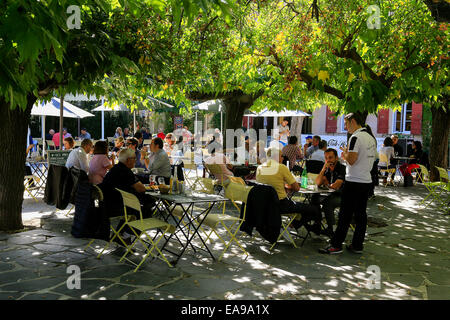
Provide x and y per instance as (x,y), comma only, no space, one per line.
(314,147)
(133,144)
(332,176)
(159,163)
(319,154)
(276,174)
(120,176)
(78,157)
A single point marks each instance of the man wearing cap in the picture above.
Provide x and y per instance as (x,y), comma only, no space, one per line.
(307,144)
(84,134)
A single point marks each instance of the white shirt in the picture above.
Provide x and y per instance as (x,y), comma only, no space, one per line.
(365,145)
(283,136)
(78,158)
(318,155)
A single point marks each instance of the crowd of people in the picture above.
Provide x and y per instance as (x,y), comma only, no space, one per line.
(351,175)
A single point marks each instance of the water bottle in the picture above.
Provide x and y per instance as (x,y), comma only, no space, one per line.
(304,183)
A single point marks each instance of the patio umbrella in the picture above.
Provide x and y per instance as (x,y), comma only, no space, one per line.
(52,108)
(103,108)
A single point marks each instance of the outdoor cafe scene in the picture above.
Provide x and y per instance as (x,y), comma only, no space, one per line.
(260,191)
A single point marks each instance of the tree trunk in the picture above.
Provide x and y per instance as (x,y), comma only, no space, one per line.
(235,108)
(296,127)
(13,136)
(439,138)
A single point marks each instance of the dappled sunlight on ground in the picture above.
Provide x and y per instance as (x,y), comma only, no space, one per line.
(408,242)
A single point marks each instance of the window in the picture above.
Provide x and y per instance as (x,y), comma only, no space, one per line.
(307,125)
(402,119)
(343,124)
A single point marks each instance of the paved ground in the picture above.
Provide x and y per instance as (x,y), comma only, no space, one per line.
(409,244)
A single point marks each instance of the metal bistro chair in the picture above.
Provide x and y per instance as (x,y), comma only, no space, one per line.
(439,190)
(389,171)
(142,226)
(236,192)
(31,183)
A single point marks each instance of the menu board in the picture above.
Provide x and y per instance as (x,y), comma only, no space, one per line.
(58,157)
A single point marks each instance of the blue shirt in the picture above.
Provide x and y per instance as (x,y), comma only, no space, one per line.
(85,136)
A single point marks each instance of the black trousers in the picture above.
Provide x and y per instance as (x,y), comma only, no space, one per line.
(309,212)
(353,205)
(329,203)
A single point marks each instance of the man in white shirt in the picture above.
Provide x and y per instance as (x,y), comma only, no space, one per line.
(78,157)
(360,156)
(284,132)
(319,154)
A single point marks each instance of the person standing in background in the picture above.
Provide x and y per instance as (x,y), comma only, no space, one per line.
(283,131)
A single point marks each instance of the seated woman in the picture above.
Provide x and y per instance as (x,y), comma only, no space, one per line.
(292,151)
(100,162)
(387,153)
(118,144)
(169,142)
(69,143)
(418,156)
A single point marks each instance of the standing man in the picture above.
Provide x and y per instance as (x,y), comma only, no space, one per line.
(284,132)
(360,156)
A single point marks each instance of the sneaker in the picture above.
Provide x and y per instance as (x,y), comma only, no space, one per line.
(372,197)
(330,250)
(350,248)
(126,240)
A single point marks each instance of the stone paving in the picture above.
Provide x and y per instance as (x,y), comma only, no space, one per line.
(409,244)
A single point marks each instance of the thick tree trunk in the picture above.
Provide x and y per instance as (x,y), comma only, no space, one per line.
(13,136)
(235,108)
(439,138)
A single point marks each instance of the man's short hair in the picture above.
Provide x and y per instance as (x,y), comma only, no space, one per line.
(292,140)
(86,142)
(332,150)
(83,129)
(273,153)
(138,134)
(317,138)
(322,144)
(125,154)
(394,136)
(158,142)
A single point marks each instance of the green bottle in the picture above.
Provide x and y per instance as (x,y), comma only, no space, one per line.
(304,183)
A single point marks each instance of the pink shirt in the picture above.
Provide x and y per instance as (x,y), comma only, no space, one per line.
(97,168)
